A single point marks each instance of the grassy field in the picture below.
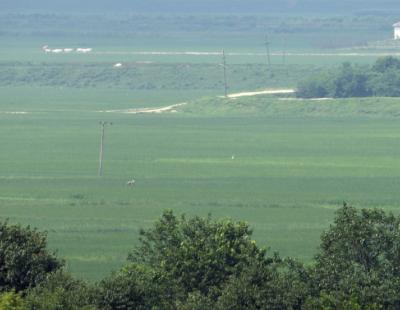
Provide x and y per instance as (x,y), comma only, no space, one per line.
(292,168)
(283,165)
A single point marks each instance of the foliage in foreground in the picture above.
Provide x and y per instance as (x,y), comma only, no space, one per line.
(382,79)
(200,263)
(59,291)
(11,300)
(197,254)
(359,259)
(24,258)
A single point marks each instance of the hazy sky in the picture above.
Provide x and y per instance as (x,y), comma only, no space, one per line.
(205,6)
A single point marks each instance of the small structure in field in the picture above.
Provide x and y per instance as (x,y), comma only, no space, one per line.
(396,31)
(84,50)
(118,65)
(46,49)
(131,182)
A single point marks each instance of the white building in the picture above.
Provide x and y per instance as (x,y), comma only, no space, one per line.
(397,31)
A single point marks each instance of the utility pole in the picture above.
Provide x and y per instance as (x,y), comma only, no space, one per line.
(103,125)
(267,49)
(284,52)
(225,79)
(268,56)
(284,56)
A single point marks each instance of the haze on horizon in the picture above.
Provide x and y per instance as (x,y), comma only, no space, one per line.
(207,6)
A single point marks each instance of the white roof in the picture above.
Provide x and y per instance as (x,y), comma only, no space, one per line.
(396,25)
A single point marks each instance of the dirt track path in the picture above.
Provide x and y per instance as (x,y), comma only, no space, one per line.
(172,108)
(262,92)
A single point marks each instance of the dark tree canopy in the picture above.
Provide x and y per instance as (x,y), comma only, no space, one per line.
(197,253)
(60,291)
(200,263)
(24,258)
(382,79)
(359,259)
(384,64)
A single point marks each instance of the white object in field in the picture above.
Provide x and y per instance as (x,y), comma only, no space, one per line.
(57,50)
(397,31)
(68,50)
(84,50)
(118,65)
(46,49)
(131,182)
(233,157)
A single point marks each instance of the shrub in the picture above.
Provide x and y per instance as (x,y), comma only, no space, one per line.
(359,259)
(197,254)
(382,79)
(12,301)
(24,258)
(135,287)
(59,291)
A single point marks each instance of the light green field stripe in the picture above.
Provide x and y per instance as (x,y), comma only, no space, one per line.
(92,258)
(26,177)
(355,163)
(31,199)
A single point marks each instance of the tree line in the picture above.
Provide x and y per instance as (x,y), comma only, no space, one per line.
(382,79)
(201,263)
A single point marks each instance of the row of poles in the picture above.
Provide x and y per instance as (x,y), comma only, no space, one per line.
(104,124)
(268,60)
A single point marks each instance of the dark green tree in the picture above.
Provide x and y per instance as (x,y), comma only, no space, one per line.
(135,287)
(59,291)
(382,79)
(317,87)
(384,64)
(359,259)
(196,301)
(351,81)
(282,284)
(386,84)
(25,260)
(197,254)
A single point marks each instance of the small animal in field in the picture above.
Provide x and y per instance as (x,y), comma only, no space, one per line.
(131,182)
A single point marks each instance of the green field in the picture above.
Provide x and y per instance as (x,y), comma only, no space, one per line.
(289,172)
(284,166)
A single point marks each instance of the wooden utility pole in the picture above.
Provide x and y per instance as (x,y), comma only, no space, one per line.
(284,56)
(284,52)
(225,79)
(103,124)
(267,49)
(268,55)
